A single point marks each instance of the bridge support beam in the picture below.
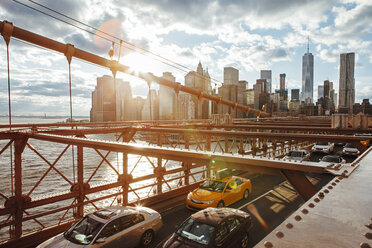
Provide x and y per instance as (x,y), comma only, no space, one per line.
(80,182)
(19,145)
(300,183)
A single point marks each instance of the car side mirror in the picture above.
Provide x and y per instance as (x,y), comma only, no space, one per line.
(100,241)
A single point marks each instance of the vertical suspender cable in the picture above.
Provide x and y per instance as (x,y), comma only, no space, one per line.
(69,53)
(72,127)
(7,32)
(10,120)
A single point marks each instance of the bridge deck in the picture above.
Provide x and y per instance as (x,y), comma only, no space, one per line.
(338,216)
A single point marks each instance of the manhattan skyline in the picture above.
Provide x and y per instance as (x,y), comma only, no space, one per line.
(249,36)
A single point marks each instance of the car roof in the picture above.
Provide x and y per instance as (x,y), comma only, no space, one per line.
(113,212)
(297,151)
(225,179)
(332,156)
(214,216)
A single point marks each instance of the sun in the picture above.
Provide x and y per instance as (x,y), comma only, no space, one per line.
(141,63)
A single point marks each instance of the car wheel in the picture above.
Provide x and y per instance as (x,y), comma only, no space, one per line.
(221,204)
(147,238)
(244,242)
(246,194)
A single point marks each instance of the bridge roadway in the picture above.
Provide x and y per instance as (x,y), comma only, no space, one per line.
(272,196)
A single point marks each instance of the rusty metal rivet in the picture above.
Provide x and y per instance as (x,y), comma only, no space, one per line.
(321,194)
(365,245)
(337,181)
(369,225)
(334,184)
(368,235)
(330,187)
(345,171)
(316,200)
(326,191)
(298,218)
(289,225)
(311,205)
(279,234)
(340,178)
(268,244)
(305,211)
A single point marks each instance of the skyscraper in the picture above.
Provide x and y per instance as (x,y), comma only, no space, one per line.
(199,80)
(328,86)
(167,99)
(320,91)
(266,74)
(347,83)
(229,90)
(282,81)
(295,95)
(230,76)
(307,75)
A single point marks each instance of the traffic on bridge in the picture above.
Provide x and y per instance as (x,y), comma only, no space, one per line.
(220,181)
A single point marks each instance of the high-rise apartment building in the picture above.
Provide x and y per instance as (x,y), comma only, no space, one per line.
(307,76)
(266,74)
(346,81)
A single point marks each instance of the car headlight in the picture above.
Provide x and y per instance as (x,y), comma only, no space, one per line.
(343,150)
(207,202)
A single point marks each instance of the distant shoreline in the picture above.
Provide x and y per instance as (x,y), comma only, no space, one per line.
(43,117)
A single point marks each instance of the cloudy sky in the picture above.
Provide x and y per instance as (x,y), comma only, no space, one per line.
(248,35)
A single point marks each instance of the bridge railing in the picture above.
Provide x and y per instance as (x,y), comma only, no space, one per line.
(54,184)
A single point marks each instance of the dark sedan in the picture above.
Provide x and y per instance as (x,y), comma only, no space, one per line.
(212,227)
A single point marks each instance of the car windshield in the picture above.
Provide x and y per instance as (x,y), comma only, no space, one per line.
(322,143)
(212,185)
(83,232)
(331,159)
(295,154)
(349,145)
(196,231)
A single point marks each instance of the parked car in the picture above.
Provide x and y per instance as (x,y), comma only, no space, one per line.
(119,226)
(333,159)
(219,192)
(298,155)
(350,149)
(325,147)
(212,227)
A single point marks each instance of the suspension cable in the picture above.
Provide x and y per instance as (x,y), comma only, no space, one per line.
(129,45)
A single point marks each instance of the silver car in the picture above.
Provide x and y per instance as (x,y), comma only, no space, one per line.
(324,147)
(297,155)
(350,149)
(119,226)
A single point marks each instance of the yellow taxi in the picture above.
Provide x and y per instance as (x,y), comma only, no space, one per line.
(219,192)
